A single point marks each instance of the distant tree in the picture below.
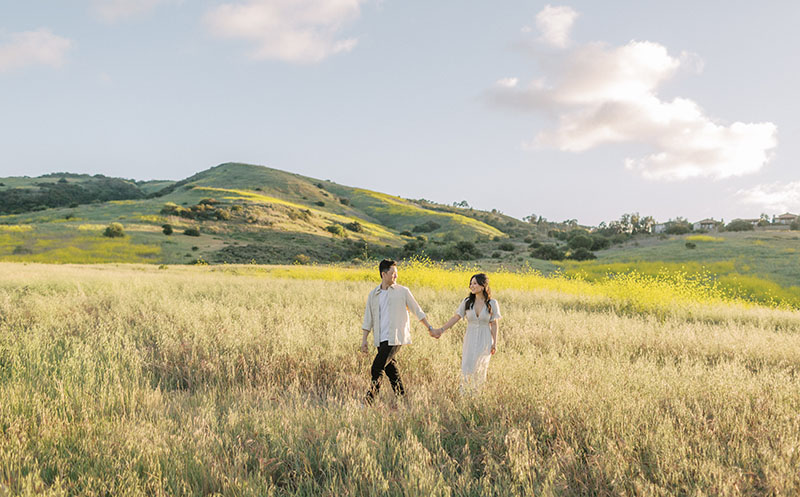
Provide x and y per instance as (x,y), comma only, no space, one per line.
(166,229)
(581,254)
(795,224)
(355,226)
(506,247)
(763,220)
(690,245)
(427,227)
(580,241)
(679,226)
(463,204)
(191,232)
(336,229)
(548,252)
(739,225)
(114,230)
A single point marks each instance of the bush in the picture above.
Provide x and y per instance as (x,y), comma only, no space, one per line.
(344,201)
(548,252)
(320,203)
(496,238)
(581,254)
(691,245)
(422,238)
(528,239)
(336,229)
(114,230)
(406,233)
(506,247)
(355,227)
(462,251)
(191,232)
(496,255)
(301,259)
(580,241)
(535,244)
(427,227)
(599,242)
(739,225)
(795,224)
(166,229)
(678,229)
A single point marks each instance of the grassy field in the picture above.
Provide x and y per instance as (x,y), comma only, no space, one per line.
(246,380)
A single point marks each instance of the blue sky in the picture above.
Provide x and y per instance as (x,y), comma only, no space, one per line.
(580,110)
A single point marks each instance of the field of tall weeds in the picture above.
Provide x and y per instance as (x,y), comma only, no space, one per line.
(247,380)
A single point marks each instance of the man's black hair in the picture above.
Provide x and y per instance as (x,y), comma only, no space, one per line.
(385,265)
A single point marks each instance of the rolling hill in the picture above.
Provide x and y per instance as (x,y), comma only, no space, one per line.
(242,213)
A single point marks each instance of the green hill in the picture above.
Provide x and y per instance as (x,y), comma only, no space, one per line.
(243,213)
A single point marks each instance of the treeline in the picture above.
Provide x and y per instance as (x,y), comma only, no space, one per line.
(67,193)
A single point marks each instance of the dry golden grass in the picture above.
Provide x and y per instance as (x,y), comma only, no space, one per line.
(134,380)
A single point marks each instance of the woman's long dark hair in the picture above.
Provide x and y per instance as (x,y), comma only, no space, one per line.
(483,281)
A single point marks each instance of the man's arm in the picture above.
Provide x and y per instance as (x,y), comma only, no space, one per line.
(367,325)
(413,306)
(364,346)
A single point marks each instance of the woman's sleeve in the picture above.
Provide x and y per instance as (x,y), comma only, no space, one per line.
(462,308)
(495,311)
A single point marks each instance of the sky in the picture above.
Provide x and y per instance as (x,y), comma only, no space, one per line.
(579,110)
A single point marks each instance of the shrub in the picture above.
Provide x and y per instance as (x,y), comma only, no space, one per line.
(535,244)
(506,247)
(355,226)
(191,232)
(461,251)
(427,227)
(581,254)
(548,252)
(739,225)
(795,224)
(528,239)
(320,203)
(496,255)
(691,245)
(336,229)
(496,238)
(208,201)
(114,230)
(301,259)
(678,228)
(422,238)
(344,201)
(580,241)
(599,242)
(406,233)
(166,229)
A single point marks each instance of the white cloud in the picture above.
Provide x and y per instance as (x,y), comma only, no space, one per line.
(290,30)
(28,48)
(507,82)
(555,24)
(600,94)
(781,197)
(115,10)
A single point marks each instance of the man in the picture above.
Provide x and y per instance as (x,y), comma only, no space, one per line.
(386,315)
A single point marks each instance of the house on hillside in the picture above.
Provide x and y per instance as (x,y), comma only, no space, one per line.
(786,218)
(706,224)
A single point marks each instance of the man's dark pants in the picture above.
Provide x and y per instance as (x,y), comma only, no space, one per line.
(385,362)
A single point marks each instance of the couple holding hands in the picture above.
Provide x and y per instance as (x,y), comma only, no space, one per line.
(386,316)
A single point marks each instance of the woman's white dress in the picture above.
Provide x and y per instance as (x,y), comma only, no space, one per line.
(477,343)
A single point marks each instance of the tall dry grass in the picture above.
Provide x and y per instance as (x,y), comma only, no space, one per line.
(131,380)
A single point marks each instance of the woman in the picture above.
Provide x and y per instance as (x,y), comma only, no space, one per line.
(480,341)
